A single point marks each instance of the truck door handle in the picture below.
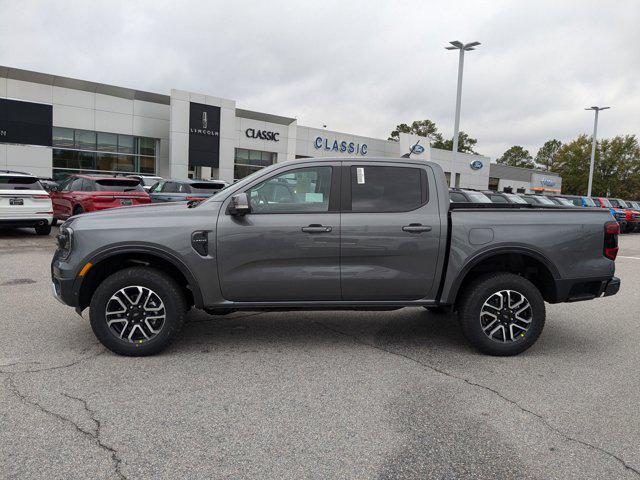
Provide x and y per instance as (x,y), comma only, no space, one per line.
(316,228)
(416,228)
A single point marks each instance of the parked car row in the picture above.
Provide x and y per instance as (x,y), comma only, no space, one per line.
(32,202)
(626,212)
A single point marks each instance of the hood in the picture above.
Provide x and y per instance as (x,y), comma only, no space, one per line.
(140,216)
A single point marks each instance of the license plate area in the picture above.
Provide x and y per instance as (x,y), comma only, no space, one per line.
(16,201)
(126,201)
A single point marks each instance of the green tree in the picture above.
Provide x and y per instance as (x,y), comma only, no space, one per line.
(572,163)
(466,144)
(427,128)
(616,170)
(546,156)
(516,156)
(422,128)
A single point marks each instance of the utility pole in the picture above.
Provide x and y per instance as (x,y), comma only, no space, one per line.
(456,45)
(593,145)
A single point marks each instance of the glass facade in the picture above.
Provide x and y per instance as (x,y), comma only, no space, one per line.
(76,151)
(248,161)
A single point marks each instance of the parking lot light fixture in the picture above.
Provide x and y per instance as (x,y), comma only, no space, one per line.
(593,145)
(457,45)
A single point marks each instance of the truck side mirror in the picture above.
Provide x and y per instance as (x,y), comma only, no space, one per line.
(239,205)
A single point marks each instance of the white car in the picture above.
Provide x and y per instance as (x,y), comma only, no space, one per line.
(24,202)
(147,181)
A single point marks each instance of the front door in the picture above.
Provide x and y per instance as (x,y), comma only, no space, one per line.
(390,232)
(288,247)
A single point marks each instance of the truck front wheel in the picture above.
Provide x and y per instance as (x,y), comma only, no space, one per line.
(137,311)
(501,314)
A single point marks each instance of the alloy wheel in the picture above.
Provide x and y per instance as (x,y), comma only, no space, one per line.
(506,316)
(135,314)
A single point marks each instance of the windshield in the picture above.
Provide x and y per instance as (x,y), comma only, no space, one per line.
(606,202)
(245,181)
(118,185)
(588,202)
(514,198)
(622,203)
(564,201)
(545,200)
(19,183)
(477,197)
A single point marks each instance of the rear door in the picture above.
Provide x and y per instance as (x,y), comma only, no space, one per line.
(288,247)
(22,197)
(390,230)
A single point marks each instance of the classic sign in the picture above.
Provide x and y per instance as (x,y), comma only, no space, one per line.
(340,146)
(262,134)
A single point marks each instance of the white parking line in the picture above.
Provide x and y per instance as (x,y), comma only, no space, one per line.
(622,256)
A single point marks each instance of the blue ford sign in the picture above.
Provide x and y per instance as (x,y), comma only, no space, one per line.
(340,146)
(476,165)
(547,182)
(417,148)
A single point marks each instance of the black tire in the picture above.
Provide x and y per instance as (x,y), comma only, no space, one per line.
(43,230)
(77,210)
(481,290)
(436,310)
(161,284)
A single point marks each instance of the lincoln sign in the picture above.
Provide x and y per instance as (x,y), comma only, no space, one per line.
(204,135)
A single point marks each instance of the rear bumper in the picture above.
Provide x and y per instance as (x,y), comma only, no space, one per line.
(580,289)
(25,222)
(612,287)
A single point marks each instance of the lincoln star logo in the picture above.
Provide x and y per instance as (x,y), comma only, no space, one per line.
(3,133)
(204,120)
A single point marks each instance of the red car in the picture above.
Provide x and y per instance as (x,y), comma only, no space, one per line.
(86,193)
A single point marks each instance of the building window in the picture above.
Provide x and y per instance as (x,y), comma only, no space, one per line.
(447,175)
(493,183)
(76,151)
(457,180)
(248,161)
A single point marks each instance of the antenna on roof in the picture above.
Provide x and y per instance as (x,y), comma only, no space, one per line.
(412,149)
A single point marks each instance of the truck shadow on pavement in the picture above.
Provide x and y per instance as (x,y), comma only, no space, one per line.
(408,328)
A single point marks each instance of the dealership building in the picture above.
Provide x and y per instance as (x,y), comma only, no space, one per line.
(53,126)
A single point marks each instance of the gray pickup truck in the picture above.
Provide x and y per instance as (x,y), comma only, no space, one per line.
(333,234)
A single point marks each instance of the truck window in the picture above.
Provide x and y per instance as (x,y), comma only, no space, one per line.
(305,190)
(515,198)
(387,189)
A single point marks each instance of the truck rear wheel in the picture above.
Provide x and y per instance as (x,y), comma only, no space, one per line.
(501,314)
(137,311)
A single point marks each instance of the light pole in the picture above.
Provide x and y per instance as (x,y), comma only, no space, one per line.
(593,145)
(456,45)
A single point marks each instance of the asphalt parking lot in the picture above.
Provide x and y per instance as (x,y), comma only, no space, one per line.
(315,395)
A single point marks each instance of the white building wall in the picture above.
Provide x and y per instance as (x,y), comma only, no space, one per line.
(514,184)
(461,163)
(87,111)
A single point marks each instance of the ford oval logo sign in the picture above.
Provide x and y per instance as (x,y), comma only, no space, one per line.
(417,149)
(476,165)
(547,182)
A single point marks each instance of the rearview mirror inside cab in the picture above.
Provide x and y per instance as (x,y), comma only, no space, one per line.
(239,205)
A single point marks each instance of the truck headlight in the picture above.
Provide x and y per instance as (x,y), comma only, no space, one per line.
(65,242)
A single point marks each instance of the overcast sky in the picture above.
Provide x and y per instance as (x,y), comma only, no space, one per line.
(357,66)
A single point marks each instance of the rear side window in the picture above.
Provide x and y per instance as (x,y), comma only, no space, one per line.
(387,189)
(115,185)
(19,183)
